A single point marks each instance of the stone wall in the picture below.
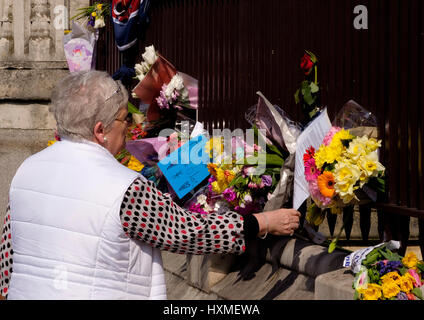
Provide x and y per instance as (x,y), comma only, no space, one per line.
(32,61)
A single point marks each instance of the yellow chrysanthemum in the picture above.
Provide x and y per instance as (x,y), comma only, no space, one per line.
(372,292)
(410,260)
(326,154)
(94,14)
(390,288)
(342,135)
(135,165)
(50,142)
(99,6)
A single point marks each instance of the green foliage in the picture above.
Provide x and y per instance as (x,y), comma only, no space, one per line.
(133,109)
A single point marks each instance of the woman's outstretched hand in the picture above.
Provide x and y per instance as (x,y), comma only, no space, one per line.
(281,222)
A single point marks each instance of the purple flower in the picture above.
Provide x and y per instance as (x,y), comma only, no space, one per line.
(248,208)
(267,180)
(389,266)
(210,180)
(229,194)
(402,296)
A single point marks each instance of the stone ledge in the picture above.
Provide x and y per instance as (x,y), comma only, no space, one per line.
(335,285)
(289,272)
(31,116)
(29,84)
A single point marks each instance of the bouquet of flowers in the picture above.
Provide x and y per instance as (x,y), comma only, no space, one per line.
(163,88)
(381,274)
(343,165)
(240,180)
(345,169)
(94,14)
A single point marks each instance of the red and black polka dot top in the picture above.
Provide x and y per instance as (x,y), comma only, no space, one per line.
(152,217)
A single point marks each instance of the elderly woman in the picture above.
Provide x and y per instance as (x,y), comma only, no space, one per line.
(80,225)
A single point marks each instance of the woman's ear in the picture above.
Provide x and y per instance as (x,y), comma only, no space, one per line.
(99,133)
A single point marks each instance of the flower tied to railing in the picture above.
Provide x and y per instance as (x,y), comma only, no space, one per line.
(94,14)
(308,95)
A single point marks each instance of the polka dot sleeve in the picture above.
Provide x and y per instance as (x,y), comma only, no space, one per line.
(152,217)
(6,254)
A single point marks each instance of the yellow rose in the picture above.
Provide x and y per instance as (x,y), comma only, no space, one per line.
(390,288)
(99,6)
(50,142)
(410,260)
(406,283)
(372,292)
(94,14)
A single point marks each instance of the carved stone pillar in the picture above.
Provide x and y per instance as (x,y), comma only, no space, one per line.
(6,29)
(40,41)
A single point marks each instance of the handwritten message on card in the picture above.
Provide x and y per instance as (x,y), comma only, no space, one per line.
(186,167)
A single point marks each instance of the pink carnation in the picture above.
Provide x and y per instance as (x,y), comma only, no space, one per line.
(329,136)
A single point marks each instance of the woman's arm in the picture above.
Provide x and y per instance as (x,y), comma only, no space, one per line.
(152,217)
(6,256)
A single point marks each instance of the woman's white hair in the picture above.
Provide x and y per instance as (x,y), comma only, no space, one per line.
(84,98)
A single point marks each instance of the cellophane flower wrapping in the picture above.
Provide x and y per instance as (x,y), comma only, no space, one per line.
(79,47)
(345,170)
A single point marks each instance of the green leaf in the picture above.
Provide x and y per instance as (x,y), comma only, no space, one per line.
(332,246)
(296,96)
(420,266)
(356,295)
(314,87)
(418,293)
(132,108)
(403,270)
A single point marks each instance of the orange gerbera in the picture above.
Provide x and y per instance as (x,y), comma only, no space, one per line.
(326,184)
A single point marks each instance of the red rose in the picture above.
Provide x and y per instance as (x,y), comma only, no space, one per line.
(306,64)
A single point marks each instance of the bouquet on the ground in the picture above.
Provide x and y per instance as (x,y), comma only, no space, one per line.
(381,274)
(345,169)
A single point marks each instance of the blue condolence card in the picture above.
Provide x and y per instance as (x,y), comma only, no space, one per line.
(186,167)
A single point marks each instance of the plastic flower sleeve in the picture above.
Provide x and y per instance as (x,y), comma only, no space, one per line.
(149,88)
(357,119)
(79,46)
(283,132)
